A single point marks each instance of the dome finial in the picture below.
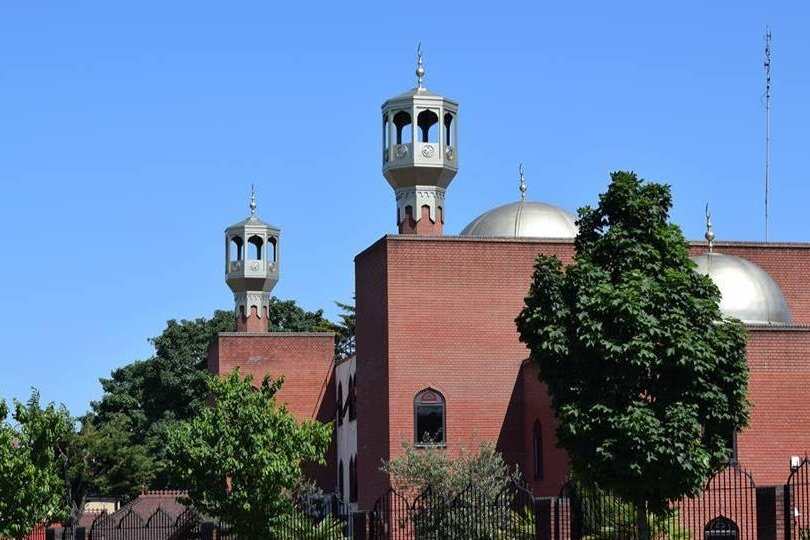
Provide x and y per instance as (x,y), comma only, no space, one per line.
(523,186)
(420,68)
(709,230)
(252,200)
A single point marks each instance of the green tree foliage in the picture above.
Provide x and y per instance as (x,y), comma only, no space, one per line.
(32,459)
(241,458)
(647,378)
(121,447)
(470,495)
(418,468)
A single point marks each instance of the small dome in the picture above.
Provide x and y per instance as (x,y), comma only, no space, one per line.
(748,292)
(523,219)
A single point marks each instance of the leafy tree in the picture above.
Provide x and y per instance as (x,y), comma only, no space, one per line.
(647,378)
(32,483)
(417,469)
(241,458)
(346,331)
(121,446)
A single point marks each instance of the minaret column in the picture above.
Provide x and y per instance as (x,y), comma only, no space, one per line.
(421,155)
(255,272)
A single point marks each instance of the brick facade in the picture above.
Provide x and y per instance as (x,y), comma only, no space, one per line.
(439,312)
(305,360)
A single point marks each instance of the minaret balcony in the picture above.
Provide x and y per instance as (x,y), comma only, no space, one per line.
(425,154)
(251,268)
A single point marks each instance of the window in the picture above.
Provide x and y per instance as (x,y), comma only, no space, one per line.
(402,122)
(353,479)
(255,248)
(235,251)
(448,124)
(352,398)
(537,450)
(340,404)
(429,418)
(721,528)
(426,121)
(340,479)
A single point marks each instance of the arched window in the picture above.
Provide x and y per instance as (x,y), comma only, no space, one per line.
(386,134)
(429,418)
(353,480)
(427,122)
(340,479)
(352,402)
(537,450)
(448,125)
(236,248)
(402,121)
(340,404)
(721,528)
(272,252)
(255,244)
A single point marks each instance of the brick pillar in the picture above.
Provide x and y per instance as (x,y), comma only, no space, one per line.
(252,322)
(542,519)
(425,226)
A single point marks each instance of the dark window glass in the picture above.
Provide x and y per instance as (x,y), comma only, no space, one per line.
(429,418)
(353,480)
(340,404)
(340,478)
(537,450)
(352,401)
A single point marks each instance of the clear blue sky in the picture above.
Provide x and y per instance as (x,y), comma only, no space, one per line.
(129,136)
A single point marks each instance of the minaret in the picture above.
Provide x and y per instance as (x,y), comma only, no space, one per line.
(420,154)
(251,268)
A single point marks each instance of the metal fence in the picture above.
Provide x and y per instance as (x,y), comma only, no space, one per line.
(726,509)
(472,514)
(797,501)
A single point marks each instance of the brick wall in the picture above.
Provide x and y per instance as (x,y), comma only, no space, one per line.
(371,297)
(439,312)
(305,360)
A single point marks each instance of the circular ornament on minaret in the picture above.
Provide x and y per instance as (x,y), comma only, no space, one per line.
(428,150)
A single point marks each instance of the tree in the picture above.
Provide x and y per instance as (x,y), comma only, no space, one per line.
(241,458)
(122,440)
(647,378)
(32,486)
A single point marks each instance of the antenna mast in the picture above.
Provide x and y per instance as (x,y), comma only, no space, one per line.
(767,66)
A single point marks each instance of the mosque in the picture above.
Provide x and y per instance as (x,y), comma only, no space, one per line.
(438,361)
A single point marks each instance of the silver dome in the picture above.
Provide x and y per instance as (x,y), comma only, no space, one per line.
(523,219)
(748,292)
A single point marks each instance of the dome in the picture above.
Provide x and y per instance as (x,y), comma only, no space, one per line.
(523,219)
(748,292)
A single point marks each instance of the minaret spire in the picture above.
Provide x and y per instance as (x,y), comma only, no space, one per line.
(252,200)
(709,229)
(523,186)
(420,68)
(767,66)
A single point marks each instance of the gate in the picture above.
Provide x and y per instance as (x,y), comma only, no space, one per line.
(725,509)
(473,514)
(797,502)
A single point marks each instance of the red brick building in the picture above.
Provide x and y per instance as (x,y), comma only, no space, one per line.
(437,350)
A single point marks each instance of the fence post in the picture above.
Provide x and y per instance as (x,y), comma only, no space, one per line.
(787,510)
(542,518)
(557,518)
(50,534)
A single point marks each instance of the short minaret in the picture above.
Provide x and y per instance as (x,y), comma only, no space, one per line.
(251,268)
(420,154)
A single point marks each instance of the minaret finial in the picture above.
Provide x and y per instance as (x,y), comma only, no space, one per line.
(709,230)
(523,186)
(252,200)
(420,68)
(767,66)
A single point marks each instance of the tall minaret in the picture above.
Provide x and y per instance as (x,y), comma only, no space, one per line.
(251,268)
(420,158)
